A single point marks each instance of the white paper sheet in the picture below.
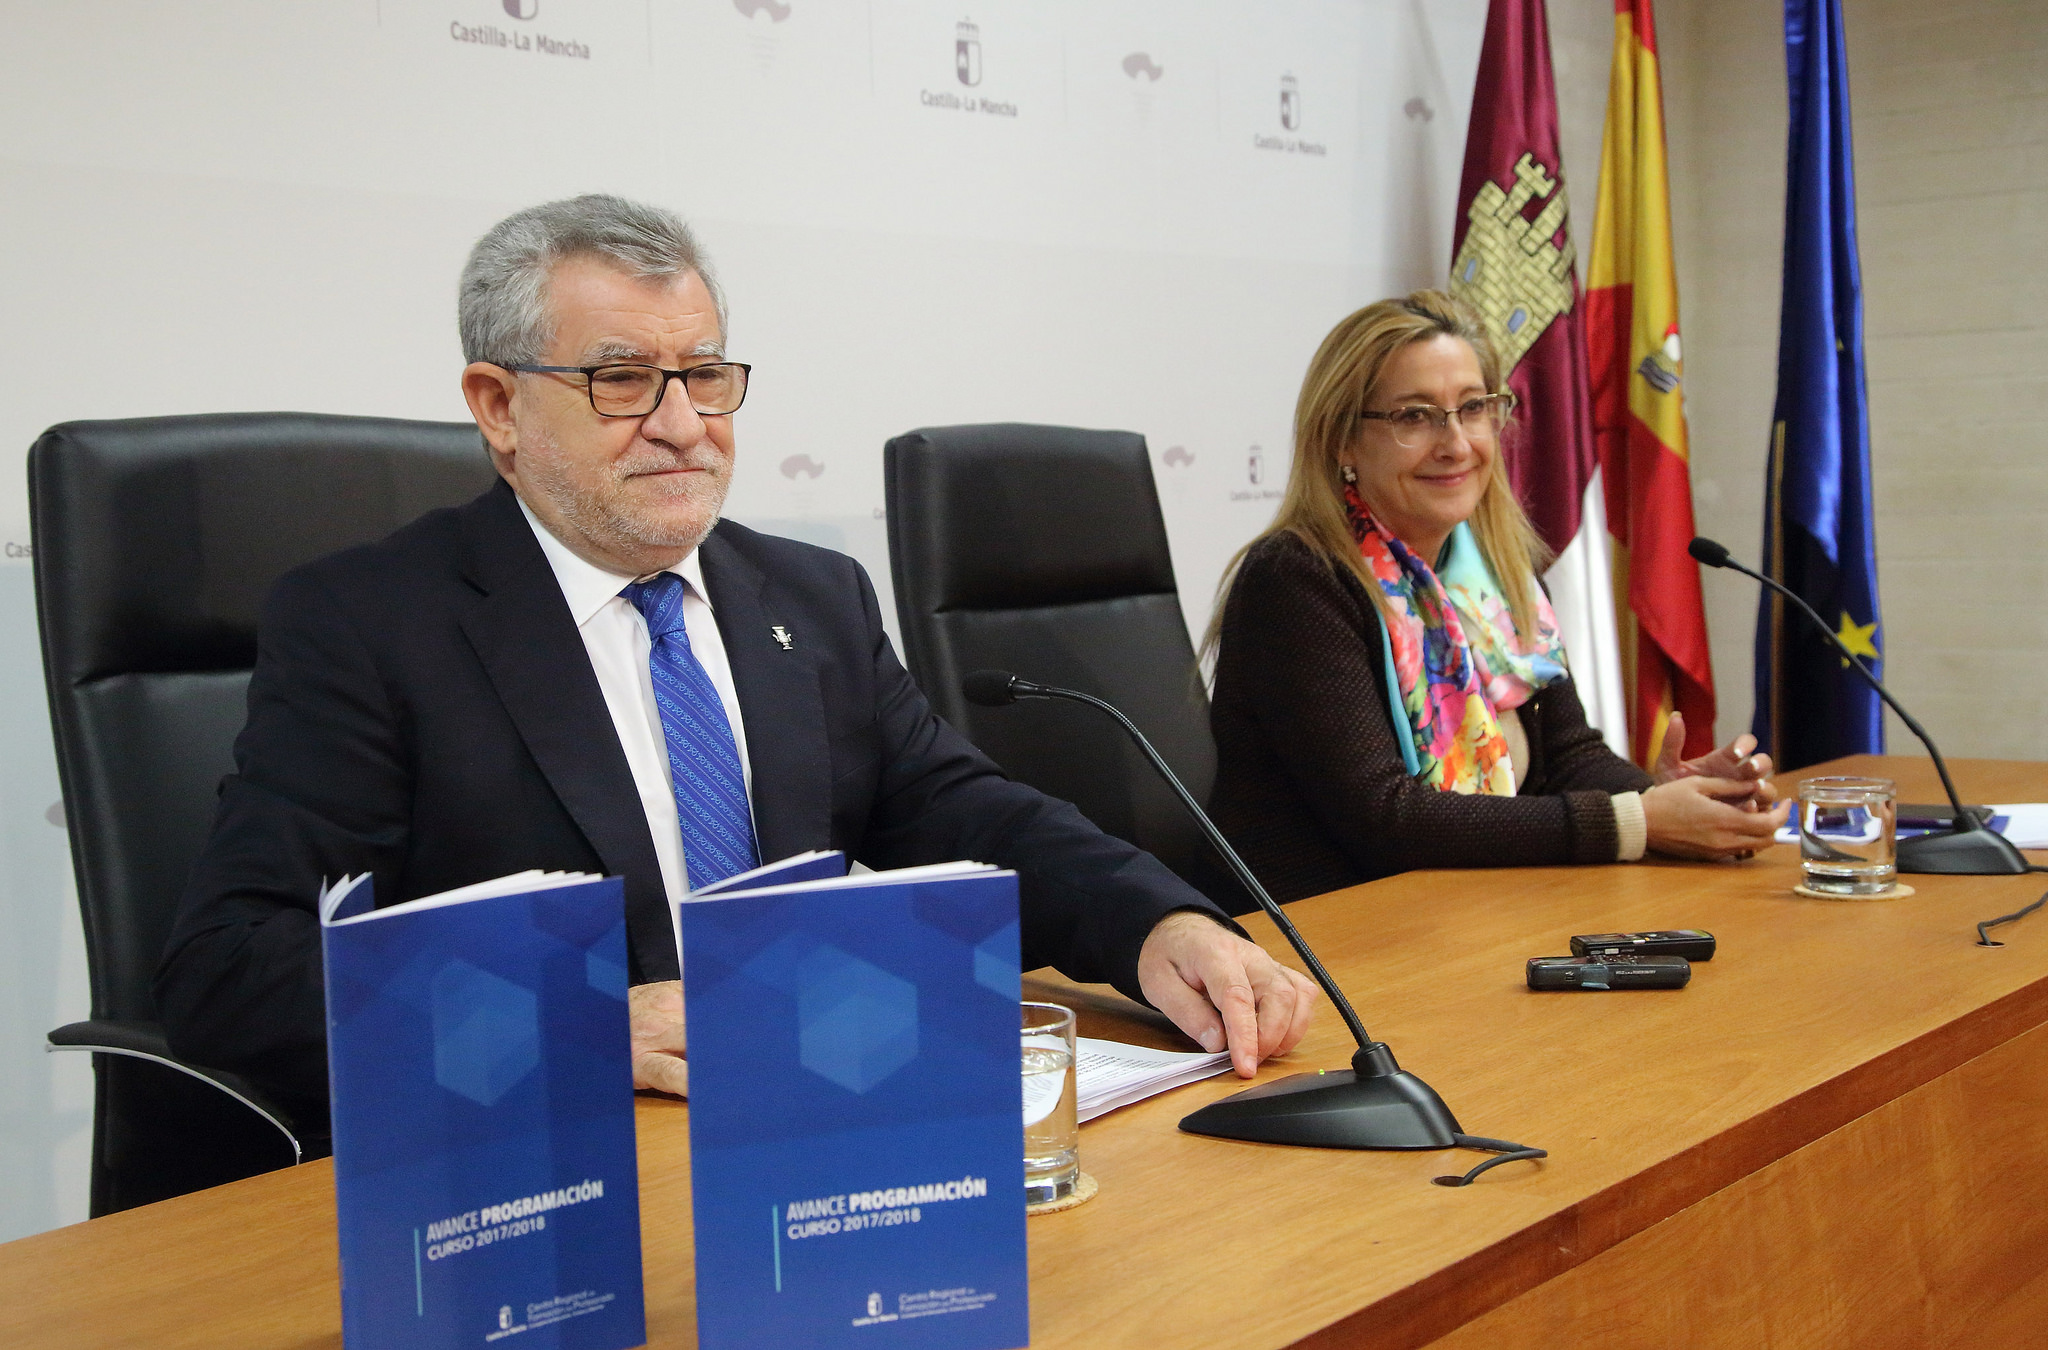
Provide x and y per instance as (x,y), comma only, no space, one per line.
(2026,823)
(1109,1074)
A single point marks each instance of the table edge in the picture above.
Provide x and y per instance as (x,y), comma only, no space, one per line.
(1483,1280)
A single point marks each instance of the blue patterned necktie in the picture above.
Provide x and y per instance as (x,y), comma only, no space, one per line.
(703,759)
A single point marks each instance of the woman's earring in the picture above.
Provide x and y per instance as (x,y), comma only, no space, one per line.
(1350,474)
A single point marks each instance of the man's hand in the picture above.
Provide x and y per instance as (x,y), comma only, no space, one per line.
(655,1013)
(1223,990)
(1736,762)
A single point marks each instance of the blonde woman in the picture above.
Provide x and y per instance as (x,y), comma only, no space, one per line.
(1390,689)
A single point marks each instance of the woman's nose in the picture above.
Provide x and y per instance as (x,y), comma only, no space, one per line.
(1452,442)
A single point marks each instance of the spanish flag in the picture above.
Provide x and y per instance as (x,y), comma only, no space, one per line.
(1638,416)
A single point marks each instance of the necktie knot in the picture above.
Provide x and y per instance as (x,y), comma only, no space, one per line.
(660,602)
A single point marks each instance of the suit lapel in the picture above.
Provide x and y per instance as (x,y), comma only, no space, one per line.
(523,634)
(779,702)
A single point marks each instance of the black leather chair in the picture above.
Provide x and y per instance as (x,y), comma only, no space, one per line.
(1041,551)
(155,541)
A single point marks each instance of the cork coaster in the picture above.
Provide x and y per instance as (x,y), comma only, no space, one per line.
(1899,890)
(1084,1191)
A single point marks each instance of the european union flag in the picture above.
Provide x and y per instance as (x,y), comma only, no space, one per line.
(1818,537)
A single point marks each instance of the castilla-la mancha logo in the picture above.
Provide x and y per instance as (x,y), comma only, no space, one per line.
(1255,477)
(967,52)
(967,72)
(1291,120)
(490,37)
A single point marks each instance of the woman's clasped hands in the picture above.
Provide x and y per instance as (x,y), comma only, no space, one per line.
(1720,805)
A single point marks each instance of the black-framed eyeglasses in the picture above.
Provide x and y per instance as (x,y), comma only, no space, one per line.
(635,390)
(1417,424)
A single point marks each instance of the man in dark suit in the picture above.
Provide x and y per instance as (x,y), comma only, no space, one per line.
(585,669)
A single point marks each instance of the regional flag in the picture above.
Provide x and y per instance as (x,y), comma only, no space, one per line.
(1818,536)
(1513,262)
(1638,412)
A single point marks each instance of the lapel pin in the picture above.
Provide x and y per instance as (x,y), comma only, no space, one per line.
(782,636)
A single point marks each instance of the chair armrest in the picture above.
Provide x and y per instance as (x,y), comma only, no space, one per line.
(132,1038)
(145,1040)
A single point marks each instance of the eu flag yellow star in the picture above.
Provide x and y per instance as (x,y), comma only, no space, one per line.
(1857,637)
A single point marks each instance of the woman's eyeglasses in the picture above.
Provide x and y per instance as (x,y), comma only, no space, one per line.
(1418,424)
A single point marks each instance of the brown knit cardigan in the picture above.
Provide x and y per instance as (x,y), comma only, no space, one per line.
(1310,786)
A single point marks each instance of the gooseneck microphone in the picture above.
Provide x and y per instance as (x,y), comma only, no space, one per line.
(1969,849)
(1376,1104)
(995,688)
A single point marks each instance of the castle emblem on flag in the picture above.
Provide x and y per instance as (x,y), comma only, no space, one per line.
(1511,269)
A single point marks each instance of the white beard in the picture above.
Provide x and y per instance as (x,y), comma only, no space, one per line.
(606,514)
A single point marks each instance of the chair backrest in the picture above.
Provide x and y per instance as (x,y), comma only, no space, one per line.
(155,542)
(1042,551)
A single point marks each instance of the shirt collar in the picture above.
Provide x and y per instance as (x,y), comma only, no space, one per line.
(586,586)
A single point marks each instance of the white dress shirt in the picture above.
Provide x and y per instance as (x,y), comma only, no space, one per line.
(615,635)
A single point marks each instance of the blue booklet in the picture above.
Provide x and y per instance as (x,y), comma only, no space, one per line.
(485,1177)
(856,1123)
(816,865)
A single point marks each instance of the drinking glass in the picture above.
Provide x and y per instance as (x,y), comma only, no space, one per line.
(1052,1137)
(1848,835)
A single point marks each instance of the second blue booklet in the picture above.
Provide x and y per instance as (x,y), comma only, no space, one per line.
(856,1132)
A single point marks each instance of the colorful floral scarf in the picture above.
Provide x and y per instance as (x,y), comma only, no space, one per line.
(1456,654)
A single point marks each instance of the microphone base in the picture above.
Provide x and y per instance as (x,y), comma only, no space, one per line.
(1375,1104)
(1971,853)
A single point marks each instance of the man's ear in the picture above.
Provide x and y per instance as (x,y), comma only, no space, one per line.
(488,390)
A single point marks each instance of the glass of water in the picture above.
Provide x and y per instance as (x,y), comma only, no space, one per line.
(1847,835)
(1052,1138)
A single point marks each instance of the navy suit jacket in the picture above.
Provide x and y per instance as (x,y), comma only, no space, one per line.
(423,708)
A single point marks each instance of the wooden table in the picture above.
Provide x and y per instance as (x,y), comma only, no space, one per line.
(1836,1136)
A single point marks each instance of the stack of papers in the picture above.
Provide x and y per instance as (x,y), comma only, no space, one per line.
(1109,1074)
(2026,823)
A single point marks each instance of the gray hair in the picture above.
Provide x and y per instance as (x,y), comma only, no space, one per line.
(502,305)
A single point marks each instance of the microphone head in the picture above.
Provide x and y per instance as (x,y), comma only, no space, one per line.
(990,688)
(1705,550)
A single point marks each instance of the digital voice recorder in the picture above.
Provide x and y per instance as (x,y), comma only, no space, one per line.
(1597,972)
(1693,944)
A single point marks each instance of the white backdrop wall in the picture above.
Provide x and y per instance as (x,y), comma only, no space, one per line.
(1122,223)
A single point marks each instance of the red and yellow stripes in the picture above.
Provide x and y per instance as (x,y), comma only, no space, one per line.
(1638,413)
